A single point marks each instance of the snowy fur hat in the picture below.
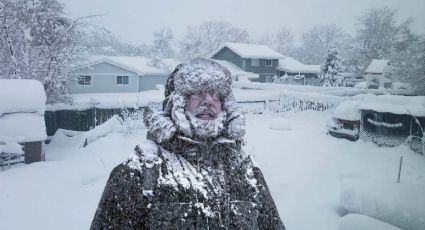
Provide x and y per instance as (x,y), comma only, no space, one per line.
(199,75)
(194,76)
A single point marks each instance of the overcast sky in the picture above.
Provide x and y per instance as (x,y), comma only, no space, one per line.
(134,20)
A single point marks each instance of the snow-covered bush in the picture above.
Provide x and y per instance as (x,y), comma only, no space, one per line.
(132,120)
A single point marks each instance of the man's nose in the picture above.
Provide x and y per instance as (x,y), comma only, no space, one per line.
(207,98)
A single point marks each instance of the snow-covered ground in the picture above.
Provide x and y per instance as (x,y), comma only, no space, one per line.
(304,168)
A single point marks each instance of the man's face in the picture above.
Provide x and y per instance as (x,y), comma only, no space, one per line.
(205,105)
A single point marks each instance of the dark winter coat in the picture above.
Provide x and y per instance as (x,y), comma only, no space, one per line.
(147,192)
(176,180)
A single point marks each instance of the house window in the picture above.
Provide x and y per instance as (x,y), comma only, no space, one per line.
(122,80)
(84,80)
(255,62)
(269,62)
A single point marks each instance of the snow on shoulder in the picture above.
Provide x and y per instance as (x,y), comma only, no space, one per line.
(22,106)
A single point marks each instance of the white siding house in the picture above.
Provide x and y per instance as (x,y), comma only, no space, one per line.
(119,74)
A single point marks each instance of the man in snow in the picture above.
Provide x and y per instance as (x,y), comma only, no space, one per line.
(192,172)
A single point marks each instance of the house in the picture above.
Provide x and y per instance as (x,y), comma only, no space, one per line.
(121,74)
(22,107)
(376,74)
(257,59)
(291,71)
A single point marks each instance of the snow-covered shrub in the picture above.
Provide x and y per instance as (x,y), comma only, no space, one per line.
(132,120)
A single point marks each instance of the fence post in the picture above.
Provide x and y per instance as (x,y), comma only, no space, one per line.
(399,169)
(267,104)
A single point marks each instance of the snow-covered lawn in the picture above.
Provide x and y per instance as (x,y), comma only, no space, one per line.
(304,168)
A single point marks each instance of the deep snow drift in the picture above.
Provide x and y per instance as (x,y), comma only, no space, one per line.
(304,168)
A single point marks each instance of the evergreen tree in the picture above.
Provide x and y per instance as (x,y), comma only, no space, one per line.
(331,68)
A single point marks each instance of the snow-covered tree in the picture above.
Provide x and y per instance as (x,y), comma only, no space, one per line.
(162,43)
(331,68)
(202,40)
(280,41)
(408,66)
(100,41)
(37,41)
(380,35)
(316,42)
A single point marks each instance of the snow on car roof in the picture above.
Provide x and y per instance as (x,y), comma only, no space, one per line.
(347,110)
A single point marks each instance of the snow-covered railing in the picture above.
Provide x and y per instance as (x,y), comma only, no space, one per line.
(336,91)
(292,101)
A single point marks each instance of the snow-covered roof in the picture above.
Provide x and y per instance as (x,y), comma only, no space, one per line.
(22,106)
(377,66)
(140,65)
(412,105)
(236,71)
(252,51)
(291,65)
(348,110)
(22,95)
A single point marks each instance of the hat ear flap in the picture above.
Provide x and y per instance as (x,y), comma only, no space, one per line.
(169,86)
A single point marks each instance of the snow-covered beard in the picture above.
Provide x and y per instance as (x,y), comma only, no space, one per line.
(205,129)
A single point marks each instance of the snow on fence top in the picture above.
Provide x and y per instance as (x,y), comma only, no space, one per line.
(377,66)
(140,65)
(22,95)
(411,105)
(252,51)
(291,65)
